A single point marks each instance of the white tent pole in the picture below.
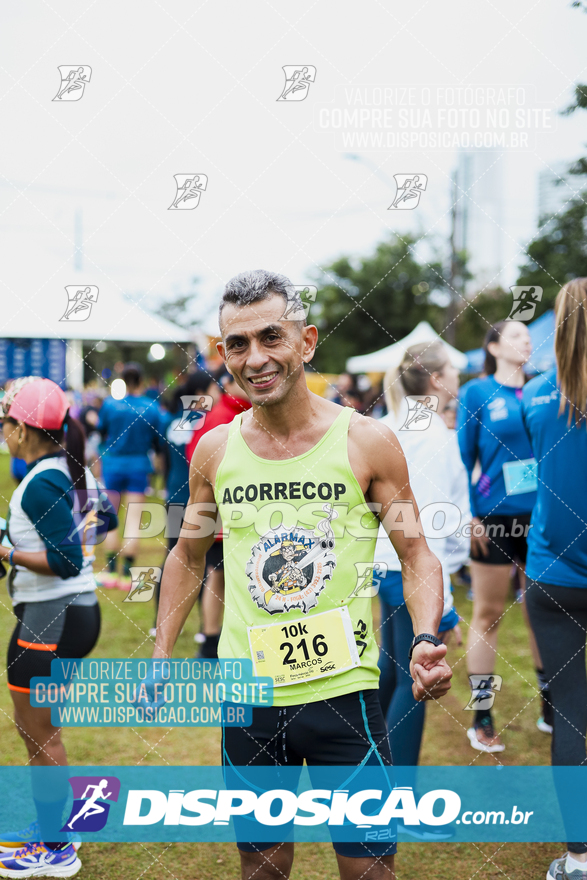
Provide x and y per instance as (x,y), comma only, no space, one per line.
(74,364)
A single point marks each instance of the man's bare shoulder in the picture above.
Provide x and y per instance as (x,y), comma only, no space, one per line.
(371,436)
(210,451)
(374,451)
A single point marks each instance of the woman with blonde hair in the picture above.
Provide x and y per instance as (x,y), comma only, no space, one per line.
(416,392)
(554,408)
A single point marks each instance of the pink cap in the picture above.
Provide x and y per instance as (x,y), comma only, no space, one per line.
(36,402)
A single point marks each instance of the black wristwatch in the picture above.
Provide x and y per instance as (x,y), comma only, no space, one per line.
(423,637)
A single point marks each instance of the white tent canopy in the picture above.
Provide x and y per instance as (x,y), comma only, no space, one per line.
(381,361)
(113,318)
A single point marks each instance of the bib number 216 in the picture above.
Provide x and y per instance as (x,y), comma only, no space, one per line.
(318,645)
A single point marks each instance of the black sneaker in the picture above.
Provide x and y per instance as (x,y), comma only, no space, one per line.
(546,720)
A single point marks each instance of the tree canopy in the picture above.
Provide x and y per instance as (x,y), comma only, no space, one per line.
(367,303)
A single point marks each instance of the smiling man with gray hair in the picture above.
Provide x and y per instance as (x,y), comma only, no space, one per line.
(294,454)
(257,285)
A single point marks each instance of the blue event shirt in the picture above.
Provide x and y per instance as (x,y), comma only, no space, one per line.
(173,443)
(557,541)
(391,591)
(490,429)
(129,429)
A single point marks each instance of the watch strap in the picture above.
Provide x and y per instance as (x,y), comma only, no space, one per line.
(423,637)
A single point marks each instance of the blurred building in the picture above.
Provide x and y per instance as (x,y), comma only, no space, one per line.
(479,222)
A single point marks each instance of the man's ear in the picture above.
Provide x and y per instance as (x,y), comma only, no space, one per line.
(310,340)
(221,351)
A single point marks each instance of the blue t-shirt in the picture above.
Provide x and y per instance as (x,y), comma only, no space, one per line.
(129,429)
(174,443)
(490,429)
(557,541)
(391,591)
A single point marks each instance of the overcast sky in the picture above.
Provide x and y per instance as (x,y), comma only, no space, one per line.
(183,87)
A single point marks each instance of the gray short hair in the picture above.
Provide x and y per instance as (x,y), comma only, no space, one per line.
(259,284)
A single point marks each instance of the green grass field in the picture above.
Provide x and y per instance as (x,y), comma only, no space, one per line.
(125,634)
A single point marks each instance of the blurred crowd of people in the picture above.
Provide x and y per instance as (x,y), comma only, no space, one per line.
(501,452)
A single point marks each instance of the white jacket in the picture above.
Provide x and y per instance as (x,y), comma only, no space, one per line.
(437,477)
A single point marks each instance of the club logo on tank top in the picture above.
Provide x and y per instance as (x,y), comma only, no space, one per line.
(289,567)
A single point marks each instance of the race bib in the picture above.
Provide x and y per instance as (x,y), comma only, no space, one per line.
(304,649)
(520,476)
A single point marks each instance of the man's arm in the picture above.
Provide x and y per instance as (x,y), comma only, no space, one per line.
(185,566)
(383,466)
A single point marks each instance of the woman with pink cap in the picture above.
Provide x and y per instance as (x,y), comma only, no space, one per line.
(54,517)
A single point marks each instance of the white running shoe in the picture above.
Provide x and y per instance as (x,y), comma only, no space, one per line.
(483,738)
(16,839)
(36,860)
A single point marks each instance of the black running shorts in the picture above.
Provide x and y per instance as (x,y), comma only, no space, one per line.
(508,539)
(64,627)
(342,731)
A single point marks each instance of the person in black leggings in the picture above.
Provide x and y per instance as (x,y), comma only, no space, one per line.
(554,411)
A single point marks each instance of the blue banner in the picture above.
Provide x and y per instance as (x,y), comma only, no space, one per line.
(272,804)
(151,693)
(32,357)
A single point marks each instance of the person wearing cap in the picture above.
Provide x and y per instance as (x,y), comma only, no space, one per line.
(54,518)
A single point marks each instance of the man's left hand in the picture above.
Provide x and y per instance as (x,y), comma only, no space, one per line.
(430,671)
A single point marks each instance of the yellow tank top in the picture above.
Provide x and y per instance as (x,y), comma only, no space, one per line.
(299,541)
